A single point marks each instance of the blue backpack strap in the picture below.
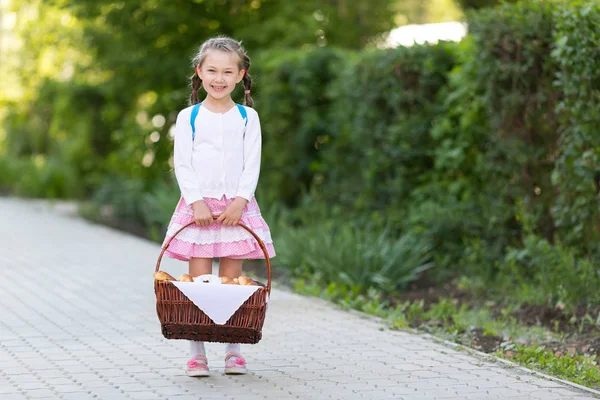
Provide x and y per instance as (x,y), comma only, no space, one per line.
(196,108)
(193,119)
(244,114)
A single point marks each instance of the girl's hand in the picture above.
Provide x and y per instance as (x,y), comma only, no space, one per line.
(202,214)
(232,214)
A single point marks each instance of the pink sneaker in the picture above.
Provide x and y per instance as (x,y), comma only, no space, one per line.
(235,364)
(198,366)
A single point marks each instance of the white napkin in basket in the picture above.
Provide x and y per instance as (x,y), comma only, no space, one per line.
(219,302)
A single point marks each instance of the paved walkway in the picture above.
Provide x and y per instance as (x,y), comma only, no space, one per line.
(78,321)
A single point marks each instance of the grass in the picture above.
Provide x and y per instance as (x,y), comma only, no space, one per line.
(578,369)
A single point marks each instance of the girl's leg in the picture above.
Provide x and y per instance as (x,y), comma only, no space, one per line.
(197,349)
(200,266)
(197,366)
(230,267)
(234,362)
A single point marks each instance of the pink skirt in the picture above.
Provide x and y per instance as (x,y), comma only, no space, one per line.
(215,240)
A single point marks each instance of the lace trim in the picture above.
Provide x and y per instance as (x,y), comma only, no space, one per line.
(198,236)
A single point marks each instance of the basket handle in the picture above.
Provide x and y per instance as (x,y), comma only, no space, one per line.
(260,243)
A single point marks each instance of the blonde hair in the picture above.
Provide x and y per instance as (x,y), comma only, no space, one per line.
(222,43)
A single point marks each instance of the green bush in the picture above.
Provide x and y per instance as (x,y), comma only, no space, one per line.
(515,78)
(291,99)
(8,174)
(492,143)
(576,175)
(358,256)
(158,207)
(378,144)
(62,129)
(39,176)
(123,199)
(542,273)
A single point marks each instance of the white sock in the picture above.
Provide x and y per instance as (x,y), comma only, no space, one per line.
(232,348)
(197,349)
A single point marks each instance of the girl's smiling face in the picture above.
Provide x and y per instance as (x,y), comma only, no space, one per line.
(220,72)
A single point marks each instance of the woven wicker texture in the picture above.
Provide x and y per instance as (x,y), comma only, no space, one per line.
(182,319)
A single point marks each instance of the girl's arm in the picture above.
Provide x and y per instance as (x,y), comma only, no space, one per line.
(252,152)
(182,160)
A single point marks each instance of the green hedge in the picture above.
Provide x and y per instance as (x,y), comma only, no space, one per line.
(378,144)
(515,79)
(291,98)
(492,142)
(576,175)
(39,137)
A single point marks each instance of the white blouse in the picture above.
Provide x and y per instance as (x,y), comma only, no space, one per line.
(221,160)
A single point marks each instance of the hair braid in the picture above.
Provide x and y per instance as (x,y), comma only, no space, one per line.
(196,84)
(247,82)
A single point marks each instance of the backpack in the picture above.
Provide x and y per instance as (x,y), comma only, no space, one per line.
(196,108)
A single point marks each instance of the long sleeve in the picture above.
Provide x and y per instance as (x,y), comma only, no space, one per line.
(252,153)
(182,159)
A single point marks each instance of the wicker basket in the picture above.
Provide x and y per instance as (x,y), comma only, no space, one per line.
(180,318)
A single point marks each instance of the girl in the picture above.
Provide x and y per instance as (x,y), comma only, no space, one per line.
(217,164)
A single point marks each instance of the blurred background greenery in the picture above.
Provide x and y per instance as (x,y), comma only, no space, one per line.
(476,160)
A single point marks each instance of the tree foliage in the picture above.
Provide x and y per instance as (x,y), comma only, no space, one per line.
(103,78)
(478,4)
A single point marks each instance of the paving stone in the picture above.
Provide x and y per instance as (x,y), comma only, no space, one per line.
(41,394)
(16,396)
(77,396)
(8,388)
(146,396)
(131,387)
(107,393)
(27,386)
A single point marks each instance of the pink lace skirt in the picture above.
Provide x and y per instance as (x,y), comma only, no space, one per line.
(215,241)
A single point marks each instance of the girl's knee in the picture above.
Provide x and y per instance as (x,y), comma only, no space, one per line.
(200,266)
